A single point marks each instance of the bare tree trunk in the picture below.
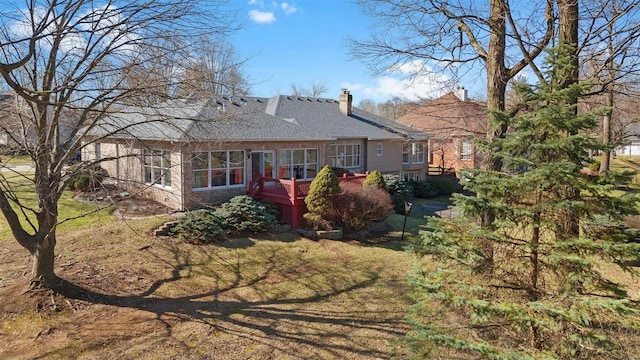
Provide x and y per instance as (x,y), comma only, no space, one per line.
(534,272)
(606,121)
(568,35)
(606,136)
(42,274)
(43,253)
(497,77)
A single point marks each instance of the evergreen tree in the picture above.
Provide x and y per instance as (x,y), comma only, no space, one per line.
(524,287)
(376,179)
(322,191)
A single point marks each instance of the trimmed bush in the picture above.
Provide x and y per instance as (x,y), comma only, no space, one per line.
(358,205)
(424,189)
(376,179)
(243,214)
(445,184)
(400,191)
(86,179)
(199,227)
(319,201)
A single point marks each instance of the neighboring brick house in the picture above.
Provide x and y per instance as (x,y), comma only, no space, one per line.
(187,154)
(452,121)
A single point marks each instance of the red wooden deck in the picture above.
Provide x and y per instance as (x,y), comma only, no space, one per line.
(289,195)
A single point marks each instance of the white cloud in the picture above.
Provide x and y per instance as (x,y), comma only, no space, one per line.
(262,17)
(411,81)
(288,8)
(256,2)
(413,67)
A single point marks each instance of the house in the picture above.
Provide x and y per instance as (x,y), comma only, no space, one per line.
(452,121)
(190,153)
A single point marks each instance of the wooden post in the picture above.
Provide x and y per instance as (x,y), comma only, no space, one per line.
(294,191)
(294,206)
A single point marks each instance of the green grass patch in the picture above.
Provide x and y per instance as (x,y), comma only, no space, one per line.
(82,213)
(16,160)
(411,229)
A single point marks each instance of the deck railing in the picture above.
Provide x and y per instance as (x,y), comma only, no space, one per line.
(293,189)
(290,193)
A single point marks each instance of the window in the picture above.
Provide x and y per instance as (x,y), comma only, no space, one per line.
(417,153)
(156,168)
(465,152)
(297,163)
(413,153)
(345,156)
(405,153)
(379,149)
(410,176)
(218,169)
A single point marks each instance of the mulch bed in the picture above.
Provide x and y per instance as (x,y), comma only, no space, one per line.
(126,204)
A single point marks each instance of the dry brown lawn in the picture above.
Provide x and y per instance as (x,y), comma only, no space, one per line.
(128,295)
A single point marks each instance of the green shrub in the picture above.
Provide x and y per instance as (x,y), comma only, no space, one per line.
(594,165)
(86,179)
(445,184)
(199,227)
(319,201)
(271,208)
(243,214)
(400,191)
(357,205)
(376,179)
(424,189)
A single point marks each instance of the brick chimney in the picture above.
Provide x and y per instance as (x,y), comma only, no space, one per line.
(345,102)
(461,93)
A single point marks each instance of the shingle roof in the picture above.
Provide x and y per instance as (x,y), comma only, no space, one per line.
(448,116)
(279,118)
(324,116)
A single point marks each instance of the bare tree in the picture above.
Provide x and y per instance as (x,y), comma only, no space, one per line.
(314,90)
(67,63)
(156,68)
(368,105)
(610,59)
(213,68)
(454,36)
(392,109)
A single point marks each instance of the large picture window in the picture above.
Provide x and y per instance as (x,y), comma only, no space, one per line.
(345,156)
(413,153)
(297,163)
(156,167)
(218,169)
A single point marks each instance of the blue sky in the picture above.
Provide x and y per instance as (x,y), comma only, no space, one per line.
(304,42)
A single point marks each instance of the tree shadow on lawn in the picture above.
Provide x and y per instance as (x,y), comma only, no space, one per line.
(283,304)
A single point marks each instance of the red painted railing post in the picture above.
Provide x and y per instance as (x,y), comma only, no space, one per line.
(294,191)
(294,206)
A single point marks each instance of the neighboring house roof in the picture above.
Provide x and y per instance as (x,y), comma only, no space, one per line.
(279,118)
(449,115)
